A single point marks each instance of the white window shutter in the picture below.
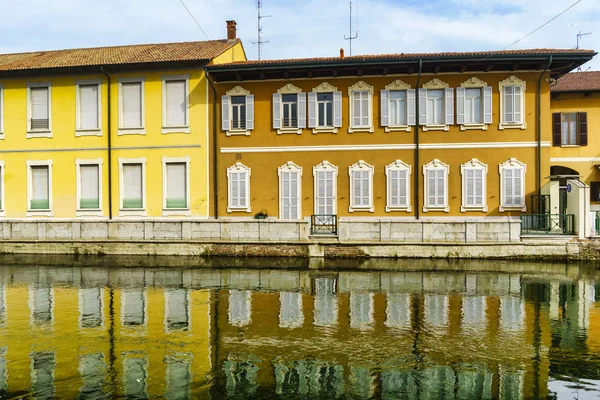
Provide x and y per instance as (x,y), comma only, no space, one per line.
(487,105)
(385,105)
(356,181)
(176,185)
(410,100)
(518,104)
(176,99)
(249,112)
(301,110)
(88,175)
(337,109)
(132,105)
(460,105)
(423,106)
(276,111)
(225,118)
(40,183)
(312,109)
(39,103)
(517,183)
(132,181)
(508,187)
(88,107)
(449,93)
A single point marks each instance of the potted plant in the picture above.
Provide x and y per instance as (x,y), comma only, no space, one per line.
(262,214)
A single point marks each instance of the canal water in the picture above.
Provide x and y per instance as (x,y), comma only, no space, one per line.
(180,328)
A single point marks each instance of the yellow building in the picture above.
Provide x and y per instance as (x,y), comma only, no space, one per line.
(108,132)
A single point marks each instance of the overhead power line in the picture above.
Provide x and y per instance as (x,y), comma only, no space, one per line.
(197,24)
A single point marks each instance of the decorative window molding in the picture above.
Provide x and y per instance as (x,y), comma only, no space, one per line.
(1,111)
(81,128)
(88,211)
(237,118)
(290,191)
(362,92)
(124,210)
(436,195)
(398,84)
(38,203)
(177,209)
(474,186)
(512,185)
(167,125)
(474,104)
(511,89)
(325,87)
(361,187)
(473,82)
(397,107)
(436,106)
(127,127)
(289,89)
(398,186)
(39,127)
(238,193)
(326,199)
(284,108)
(569,129)
(332,119)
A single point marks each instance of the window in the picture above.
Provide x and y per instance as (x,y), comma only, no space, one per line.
(135,375)
(569,129)
(176,186)
(90,307)
(325,109)
(436,105)
(178,375)
(41,304)
(289,110)
(474,187)
(1,111)
(175,92)
(326,302)
(361,310)
(88,107)
(512,185)
(325,176)
(133,306)
(177,304)
(474,104)
(238,176)
(512,104)
(436,309)
(398,186)
(133,182)
(397,107)
(39,109)
(512,313)
(240,307)
(290,311)
(237,112)
(361,187)
(39,187)
(131,106)
(361,98)
(436,186)
(89,188)
(398,312)
(42,374)
(290,191)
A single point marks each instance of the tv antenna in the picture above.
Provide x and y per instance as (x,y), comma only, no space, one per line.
(260,41)
(350,38)
(579,36)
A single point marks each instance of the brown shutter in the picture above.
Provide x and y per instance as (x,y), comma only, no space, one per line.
(556,129)
(583,129)
(595,191)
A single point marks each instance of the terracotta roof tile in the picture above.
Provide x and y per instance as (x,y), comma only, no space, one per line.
(578,82)
(117,55)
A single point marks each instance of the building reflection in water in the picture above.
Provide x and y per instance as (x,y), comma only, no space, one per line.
(171,333)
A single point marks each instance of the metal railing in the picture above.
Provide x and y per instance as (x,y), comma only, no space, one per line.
(597,224)
(323,224)
(552,224)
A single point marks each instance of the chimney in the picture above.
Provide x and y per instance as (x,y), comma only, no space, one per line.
(342,52)
(231,30)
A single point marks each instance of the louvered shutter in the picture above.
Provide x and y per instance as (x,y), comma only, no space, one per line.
(132,105)
(385,107)
(294,176)
(132,186)
(40,185)
(441,183)
(508,187)
(285,195)
(88,107)
(508,104)
(176,103)
(518,106)
(365,188)
(276,111)
(312,110)
(460,105)
(337,109)
(402,185)
(249,112)
(39,108)
(301,110)
(89,183)
(487,105)
(225,118)
(423,106)
(469,187)
(517,183)
(583,128)
(478,187)
(176,185)
(431,175)
(356,181)
(410,100)
(393,200)
(449,103)
(556,129)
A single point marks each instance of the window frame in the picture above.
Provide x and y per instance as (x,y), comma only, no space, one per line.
(85,212)
(361,166)
(127,212)
(512,163)
(78,130)
(300,109)
(485,94)
(474,165)
(290,167)
(1,110)
(325,166)
(80,306)
(167,292)
(238,167)
(141,130)
(336,102)
(435,165)
(176,211)
(362,87)
(39,133)
(397,165)
(237,91)
(165,129)
(512,81)
(122,308)
(41,212)
(399,86)
(31,302)
(447,101)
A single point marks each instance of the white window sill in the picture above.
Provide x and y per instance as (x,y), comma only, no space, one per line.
(172,212)
(512,208)
(436,128)
(398,128)
(282,131)
(175,129)
(1,135)
(38,134)
(473,208)
(512,126)
(363,209)
(88,132)
(40,213)
(2,213)
(325,130)
(131,131)
(353,129)
(239,209)
(465,127)
(436,208)
(566,146)
(88,213)
(398,208)
(238,132)
(132,212)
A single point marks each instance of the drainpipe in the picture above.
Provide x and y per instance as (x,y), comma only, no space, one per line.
(417,211)
(110,209)
(539,129)
(215,148)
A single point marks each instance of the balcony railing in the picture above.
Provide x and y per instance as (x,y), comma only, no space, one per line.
(323,224)
(548,224)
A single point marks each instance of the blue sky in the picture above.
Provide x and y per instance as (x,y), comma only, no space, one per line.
(303,28)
